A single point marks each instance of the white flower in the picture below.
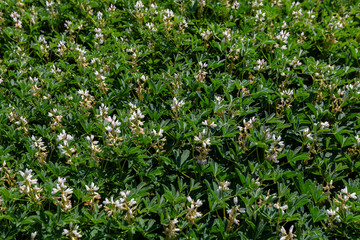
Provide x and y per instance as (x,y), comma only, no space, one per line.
(307,133)
(288,92)
(295,62)
(168,14)
(285,236)
(219,99)
(151,26)
(201,138)
(248,124)
(99,15)
(125,194)
(113,121)
(260,16)
(256,3)
(112,8)
(283,36)
(176,104)
(324,125)
(196,204)
(235,5)
(206,35)
(227,34)
(108,202)
(139,5)
(261,63)
(64,136)
(357,139)
(160,133)
(224,186)
(203,65)
(136,115)
(90,138)
(348,195)
(208,123)
(72,232)
(344,190)
(92,188)
(33,235)
(282,208)
(83,93)
(330,212)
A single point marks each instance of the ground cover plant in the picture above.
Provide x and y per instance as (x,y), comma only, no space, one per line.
(179,119)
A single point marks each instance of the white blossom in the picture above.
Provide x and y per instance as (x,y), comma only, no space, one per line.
(72,232)
(285,236)
(139,5)
(261,64)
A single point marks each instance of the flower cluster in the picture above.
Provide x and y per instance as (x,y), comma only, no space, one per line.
(103,112)
(2,207)
(9,176)
(160,141)
(206,34)
(176,106)
(40,148)
(140,90)
(92,196)
(227,34)
(44,46)
(113,129)
(100,80)
(275,148)
(333,214)
(192,213)
(171,230)
(29,187)
(87,100)
(343,197)
(135,121)
(233,213)
(286,99)
(245,132)
(99,37)
(282,208)
(168,15)
(124,203)
(56,118)
(19,121)
(283,38)
(65,194)
(129,205)
(16,18)
(111,206)
(66,147)
(200,77)
(73,232)
(287,236)
(203,149)
(223,186)
(261,65)
(93,145)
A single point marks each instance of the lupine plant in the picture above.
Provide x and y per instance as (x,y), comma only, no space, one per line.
(174,119)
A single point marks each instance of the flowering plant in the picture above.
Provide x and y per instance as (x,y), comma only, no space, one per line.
(224,119)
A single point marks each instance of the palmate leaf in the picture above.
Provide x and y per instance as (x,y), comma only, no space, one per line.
(317,214)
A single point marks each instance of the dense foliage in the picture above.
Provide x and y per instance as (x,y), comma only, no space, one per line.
(179,119)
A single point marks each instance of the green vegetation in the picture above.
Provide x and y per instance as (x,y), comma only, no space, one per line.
(179,119)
